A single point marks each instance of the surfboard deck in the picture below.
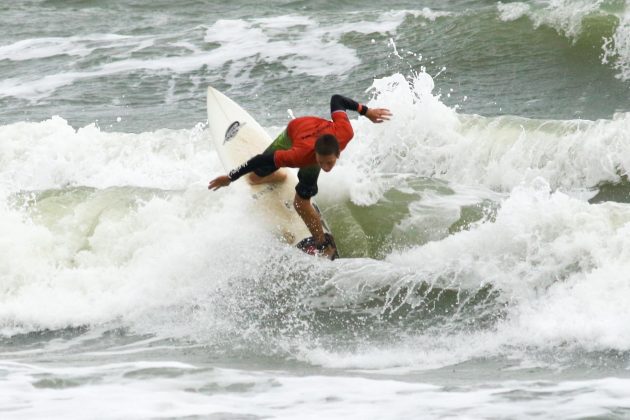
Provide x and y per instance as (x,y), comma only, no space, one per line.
(237,137)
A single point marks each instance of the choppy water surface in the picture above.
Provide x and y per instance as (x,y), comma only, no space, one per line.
(485,228)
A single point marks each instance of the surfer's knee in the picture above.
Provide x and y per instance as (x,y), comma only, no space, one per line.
(256,177)
(280,175)
(305,190)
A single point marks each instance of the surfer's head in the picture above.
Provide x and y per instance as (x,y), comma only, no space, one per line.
(326,151)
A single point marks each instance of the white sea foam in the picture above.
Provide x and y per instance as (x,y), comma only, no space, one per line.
(426,13)
(121,247)
(107,255)
(300,44)
(80,46)
(283,396)
(88,256)
(52,154)
(427,138)
(512,11)
(557,263)
(617,48)
(559,260)
(316,51)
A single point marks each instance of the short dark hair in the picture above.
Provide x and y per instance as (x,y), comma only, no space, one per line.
(327,144)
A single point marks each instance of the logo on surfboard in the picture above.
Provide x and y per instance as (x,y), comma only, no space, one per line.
(232,131)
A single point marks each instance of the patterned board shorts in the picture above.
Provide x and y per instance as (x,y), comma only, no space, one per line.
(307,176)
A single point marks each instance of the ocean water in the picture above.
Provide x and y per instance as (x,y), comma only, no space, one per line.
(484,230)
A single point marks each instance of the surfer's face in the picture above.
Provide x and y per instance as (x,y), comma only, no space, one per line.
(326,162)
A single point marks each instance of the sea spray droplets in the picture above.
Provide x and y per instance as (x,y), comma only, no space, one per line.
(402,145)
(617,48)
(52,154)
(554,270)
(547,254)
(120,254)
(427,138)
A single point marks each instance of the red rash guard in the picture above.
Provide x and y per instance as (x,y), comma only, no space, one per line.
(303,133)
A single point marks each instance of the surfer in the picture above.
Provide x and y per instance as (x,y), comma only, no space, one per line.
(310,144)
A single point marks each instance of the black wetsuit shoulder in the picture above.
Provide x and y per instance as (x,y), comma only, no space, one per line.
(341,103)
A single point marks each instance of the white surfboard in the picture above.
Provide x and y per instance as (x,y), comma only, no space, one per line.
(237,137)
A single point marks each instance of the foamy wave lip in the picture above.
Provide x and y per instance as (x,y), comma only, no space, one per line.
(278,395)
(312,48)
(559,261)
(416,353)
(34,89)
(75,46)
(400,146)
(426,138)
(52,154)
(80,46)
(426,13)
(430,14)
(506,151)
(512,11)
(566,18)
(41,87)
(317,51)
(559,264)
(121,257)
(617,48)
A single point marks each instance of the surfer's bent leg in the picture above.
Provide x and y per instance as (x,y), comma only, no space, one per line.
(265,175)
(307,185)
(270,173)
(257,162)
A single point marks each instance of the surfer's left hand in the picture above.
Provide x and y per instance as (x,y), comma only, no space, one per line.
(378,115)
(218,182)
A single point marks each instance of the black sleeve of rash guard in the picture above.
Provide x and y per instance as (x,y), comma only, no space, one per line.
(258,161)
(341,103)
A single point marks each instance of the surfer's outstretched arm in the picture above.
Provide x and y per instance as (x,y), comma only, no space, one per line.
(218,182)
(341,103)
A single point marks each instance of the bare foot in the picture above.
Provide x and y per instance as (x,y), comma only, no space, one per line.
(278,176)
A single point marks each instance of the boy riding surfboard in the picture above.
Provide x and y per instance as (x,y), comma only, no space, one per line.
(310,144)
